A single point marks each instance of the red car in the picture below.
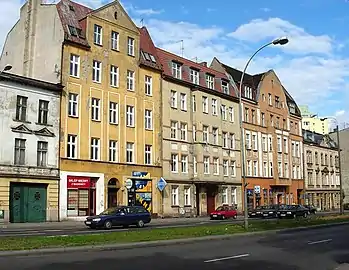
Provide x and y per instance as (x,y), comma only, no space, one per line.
(223,212)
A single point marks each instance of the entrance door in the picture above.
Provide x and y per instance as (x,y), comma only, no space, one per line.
(112,197)
(211,199)
(28,203)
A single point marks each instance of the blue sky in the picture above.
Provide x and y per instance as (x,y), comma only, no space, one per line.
(314,66)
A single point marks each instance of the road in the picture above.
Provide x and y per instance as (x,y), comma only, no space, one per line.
(320,249)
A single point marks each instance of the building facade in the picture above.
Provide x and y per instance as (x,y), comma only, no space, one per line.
(312,122)
(273,138)
(110,108)
(201,159)
(321,171)
(29,159)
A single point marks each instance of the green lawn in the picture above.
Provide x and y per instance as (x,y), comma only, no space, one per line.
(26,243)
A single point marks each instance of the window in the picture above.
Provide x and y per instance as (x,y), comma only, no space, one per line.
(174,128)
(148,154)
(95,110)
(148,121)
(225,87)
(113,151)
(214,107)
(97,36)
(215,135)
(231,114)
(204,104)
(225,195)
(225,139)
(114,76)
(42,154)
(175,196)
(277,102)
(269,100)
(113,113)
(206,165)
(265,169)
(174,163)
(194,133)
(232,140)
(43,112)
(254,142)
(177,70)
(264,143)
(21,108)
(74,65)
(19,151)
(249,168)
(97,71)
(233,196)
(130,80)
(114,40)
(286,170)
(270,144)
(73,104)
(174,101)
(184,163)
(148,85)
(130,116)
(216,166)
(71,146)
(285,145)
(184,130)
(253,113)
(130,46)
(248,141)
(255,168)
(263,119)
(205,134)
(280,169)
(209,81)
(246,114)
(194,76)
(187,199)
(195,165)
(279,145)
(193,101)
(224,112)
(271,169)
(95,153)
(225,167)
(183,102)
(130,152)
(233,168)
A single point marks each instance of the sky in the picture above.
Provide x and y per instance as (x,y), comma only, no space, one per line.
(313,66)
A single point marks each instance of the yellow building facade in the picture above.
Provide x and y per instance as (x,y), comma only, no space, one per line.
(110,115)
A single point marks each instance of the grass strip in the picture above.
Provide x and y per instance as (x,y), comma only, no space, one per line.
(39,242)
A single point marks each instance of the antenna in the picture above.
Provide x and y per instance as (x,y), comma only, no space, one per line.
(182,48)
(142,22)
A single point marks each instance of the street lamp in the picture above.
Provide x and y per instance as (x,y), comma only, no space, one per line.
(279,41)
(341,210)
(6,68)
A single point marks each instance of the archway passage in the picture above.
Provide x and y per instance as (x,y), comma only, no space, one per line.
(113,188)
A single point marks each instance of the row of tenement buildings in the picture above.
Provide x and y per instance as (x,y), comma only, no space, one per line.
(94,114)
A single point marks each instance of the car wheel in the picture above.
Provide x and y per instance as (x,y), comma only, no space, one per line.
(140,224)
(294,216)
(305,215)
(235,217)
(108,225)
(314,212)
(223,217)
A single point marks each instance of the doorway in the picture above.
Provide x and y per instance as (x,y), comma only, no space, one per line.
(211,198)
(113,188)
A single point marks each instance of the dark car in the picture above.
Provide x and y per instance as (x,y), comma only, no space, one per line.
(257,212)
(120,216)
(312,209)
(293,211)
(270,211)
(223,212)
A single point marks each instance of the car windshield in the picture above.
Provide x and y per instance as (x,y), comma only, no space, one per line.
(220,208)
(111,211)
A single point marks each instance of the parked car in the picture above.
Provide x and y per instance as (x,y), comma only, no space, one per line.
(120,216)
(257,212)
(293,211)
(312,209)
(223,212)
(271,210)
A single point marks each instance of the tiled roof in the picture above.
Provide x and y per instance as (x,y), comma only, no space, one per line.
(249,80)
(318,139)
(167,58)
(148,50)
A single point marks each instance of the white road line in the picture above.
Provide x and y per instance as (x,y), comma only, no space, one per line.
(227,258)
(319,242)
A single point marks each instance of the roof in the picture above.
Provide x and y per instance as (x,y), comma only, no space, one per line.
(318,139)
(167,58)
(249,80)
(4,76)
(148,50)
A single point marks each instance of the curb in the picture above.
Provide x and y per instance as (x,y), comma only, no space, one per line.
(112,247)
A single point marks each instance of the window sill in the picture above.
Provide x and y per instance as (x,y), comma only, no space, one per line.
(46,125)
(115,50)
(114,86)
(187,205)
(21,121)
(148,95)
(174,172)
(114,124)
(130,126)
(175,206)
(131,90)
(149,129)
(131,55)
(98,82)
(75,77)
(95,120)
(97,44)
(73,116)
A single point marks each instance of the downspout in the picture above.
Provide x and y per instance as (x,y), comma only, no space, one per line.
(161,143)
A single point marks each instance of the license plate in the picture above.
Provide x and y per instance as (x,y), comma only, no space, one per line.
(265,215)
(253,214)
(283,215)
(88,222)
(214,215)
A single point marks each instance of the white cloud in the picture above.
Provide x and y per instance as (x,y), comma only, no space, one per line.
(300,41)
(146,12)
(339,113)
(265,9)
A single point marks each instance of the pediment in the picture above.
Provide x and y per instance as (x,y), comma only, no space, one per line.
(44,132)
(325,170)
(22,129)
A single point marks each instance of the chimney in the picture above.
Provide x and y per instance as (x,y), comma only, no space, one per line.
(203,64)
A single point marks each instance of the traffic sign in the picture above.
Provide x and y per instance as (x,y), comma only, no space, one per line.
(161,184)
(128,183)
(257,189)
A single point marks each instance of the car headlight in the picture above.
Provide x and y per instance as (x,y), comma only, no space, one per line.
(271,212)
(278,212)
(96,219)
(289,213)
(258,212)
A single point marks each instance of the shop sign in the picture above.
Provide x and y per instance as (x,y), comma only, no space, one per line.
(78,182)
(141,174)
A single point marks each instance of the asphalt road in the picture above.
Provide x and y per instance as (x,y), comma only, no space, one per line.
(320,249)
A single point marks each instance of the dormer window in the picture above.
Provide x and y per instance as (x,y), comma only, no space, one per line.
(194,76)
(292,107)
(277,102)
(248,92)
(225,87)
(177,70)
(209,81)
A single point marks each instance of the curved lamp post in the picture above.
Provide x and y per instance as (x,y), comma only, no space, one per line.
(279,41)
(6,68)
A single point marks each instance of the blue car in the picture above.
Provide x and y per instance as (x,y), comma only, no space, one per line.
(120,216)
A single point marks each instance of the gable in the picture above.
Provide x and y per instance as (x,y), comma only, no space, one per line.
(44,132)
(115,13)
(22,129)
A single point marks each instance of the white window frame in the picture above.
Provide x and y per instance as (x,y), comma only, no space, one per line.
(174,163)
(148,154)
(279,144)
(265,169)
(214,107)
(224,112)
(194,133)
(130,116)
(72,144)
(280,169)
(113,151)
(206,165)
(97,71)
(271,171)
(148,119)
(231,114)
(225,87)
(98,35)
(114,38)
(114,76)
(130,46)
(130,85)
(224,195)
(210,81)
(232,141)
(113,113)
(174,99)
(225,139)
(205,104)
(130,152)
(174,130)
(184,131)
(187,196)
(74,66)
(216,166)
(175,195)
(184,163)
(233,168)
(193,103)
(95,149)
(195,165)
(194,76)
(249,168)
(73,105)
(286,170)
(183,101)
(205,134)
(95,109)
(177,70)
(225,167)
(215,135)
(148,85)
(255,168)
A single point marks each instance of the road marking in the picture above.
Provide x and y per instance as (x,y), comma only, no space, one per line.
(227,258)
(319,242)
(53,230)
(20,234)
